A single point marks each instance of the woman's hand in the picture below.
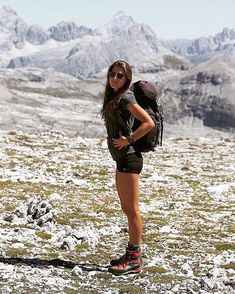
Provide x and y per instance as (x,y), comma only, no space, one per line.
(120,142)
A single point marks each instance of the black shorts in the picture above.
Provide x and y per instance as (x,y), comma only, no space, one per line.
(130,163)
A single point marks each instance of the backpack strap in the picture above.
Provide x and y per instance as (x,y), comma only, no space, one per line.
(161,121)
(127,129)
(161,132)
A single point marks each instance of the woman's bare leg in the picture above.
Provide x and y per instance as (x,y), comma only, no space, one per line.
(128,191)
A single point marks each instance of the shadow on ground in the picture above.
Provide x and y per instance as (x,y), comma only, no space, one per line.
(36,262)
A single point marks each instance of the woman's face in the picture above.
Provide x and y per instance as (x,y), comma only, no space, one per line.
(117,78)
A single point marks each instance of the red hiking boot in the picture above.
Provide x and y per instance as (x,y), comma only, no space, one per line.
(119,260)
(131,262)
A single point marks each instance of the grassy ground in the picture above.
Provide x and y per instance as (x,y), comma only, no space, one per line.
(187,202)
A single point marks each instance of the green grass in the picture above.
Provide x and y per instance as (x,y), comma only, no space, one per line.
(17,252)
(43,235)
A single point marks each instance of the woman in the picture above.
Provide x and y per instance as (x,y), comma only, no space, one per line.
(128,162)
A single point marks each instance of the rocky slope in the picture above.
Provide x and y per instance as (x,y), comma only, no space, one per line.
(203,95)
(34,100)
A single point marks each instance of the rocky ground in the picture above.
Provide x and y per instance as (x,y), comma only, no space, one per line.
(61,221)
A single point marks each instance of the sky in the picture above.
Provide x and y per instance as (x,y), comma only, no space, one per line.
(169,19)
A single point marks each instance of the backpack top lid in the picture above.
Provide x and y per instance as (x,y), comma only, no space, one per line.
(144,88)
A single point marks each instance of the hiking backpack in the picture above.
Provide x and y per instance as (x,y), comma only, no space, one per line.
(146,96)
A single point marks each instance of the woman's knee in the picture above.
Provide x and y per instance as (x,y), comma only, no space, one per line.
(131,211)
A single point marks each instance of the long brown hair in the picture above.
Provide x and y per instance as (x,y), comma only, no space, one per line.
(111,97)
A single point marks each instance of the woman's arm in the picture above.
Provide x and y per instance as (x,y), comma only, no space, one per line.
(146,125)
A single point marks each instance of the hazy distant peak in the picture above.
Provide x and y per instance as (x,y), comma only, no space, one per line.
(8,16)
(6,10)
(64,23)
(35,25)
(116,25)
(12,29)
(9,19)
(228,33)
(120,13)
(67,30)
(226,30)
(123,18)
(37,35)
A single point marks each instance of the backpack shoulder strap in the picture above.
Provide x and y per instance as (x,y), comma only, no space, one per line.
(121,121)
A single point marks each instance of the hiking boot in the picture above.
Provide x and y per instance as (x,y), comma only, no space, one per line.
(129,263)
(118,261)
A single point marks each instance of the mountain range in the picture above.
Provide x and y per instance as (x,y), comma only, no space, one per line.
(204,48)
(196,77)
(78,51)
(83,52)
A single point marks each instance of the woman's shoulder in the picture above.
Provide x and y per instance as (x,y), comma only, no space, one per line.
(128,98)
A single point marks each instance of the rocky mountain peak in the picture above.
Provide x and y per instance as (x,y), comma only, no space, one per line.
(12,29)
(142,30)
(37,35)
(67,30)
(122,17)
(226,35)
(116,25)
(8,18)
(6,11)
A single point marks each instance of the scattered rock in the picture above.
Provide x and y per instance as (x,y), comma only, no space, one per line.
(35,210)
(77,271)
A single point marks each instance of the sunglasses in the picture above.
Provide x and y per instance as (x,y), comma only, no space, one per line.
(113,74)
